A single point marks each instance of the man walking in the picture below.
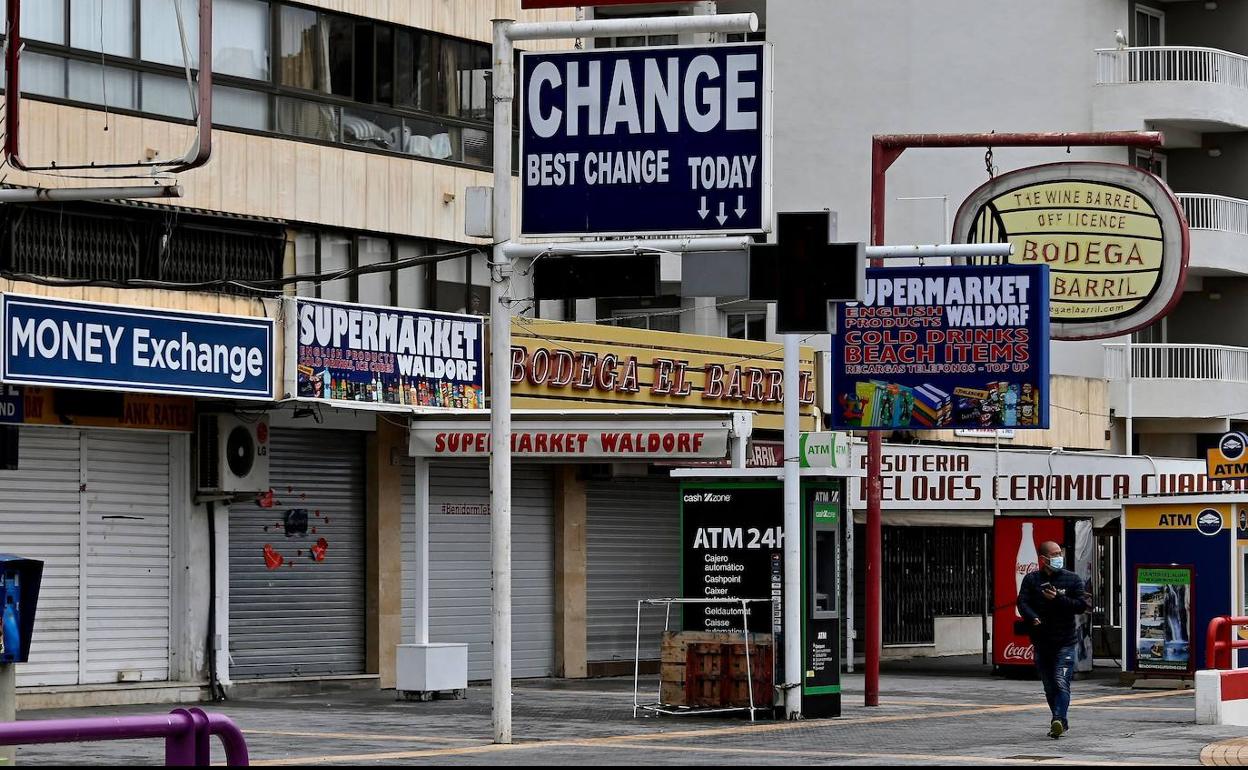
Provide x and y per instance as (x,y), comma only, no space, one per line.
(1049,600)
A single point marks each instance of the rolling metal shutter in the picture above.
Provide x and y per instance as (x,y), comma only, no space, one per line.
(459,567)
(633,548)
(304,618)
(40,517)
(127,552)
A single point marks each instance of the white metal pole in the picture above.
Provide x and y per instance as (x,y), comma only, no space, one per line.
(792,536)
(500,388)
(46,194)
(1130,443)
(422,550)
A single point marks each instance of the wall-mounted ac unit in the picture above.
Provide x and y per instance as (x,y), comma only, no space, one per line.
(233,454)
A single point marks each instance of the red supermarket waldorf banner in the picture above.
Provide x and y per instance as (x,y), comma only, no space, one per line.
(1016,544)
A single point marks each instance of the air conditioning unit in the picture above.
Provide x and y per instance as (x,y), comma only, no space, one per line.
(233,455)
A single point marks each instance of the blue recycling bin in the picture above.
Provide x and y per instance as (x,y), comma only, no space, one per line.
(19,594)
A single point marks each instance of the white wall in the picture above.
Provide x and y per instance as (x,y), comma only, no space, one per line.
(854,68)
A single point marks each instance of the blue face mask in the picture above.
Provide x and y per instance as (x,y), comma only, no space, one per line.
(1057,562)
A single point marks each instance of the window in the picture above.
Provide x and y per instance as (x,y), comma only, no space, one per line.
(374,287)
(746,326)
(663,321)
(1150,27)
(335,255)
(240,38)
(99,25)
(634,41)
(462,285)
(326,252)
(1150,161)
(318,75)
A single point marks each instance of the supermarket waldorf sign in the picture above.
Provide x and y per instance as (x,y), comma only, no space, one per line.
(1113,237)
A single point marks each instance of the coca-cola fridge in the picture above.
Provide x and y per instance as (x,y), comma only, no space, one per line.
(1016,541)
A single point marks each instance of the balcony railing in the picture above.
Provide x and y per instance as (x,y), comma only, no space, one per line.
(1215,212)
(1177,362)
(1171,64)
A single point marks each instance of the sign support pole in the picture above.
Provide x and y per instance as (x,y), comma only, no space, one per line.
(885,150)
(792,536)
(506,32)
(500,389)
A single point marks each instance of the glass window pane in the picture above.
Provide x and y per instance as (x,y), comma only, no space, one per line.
(302,41)
(757,327)
(100,85)
(663,40)
(305,262)
(367,128)
(159,39)
(95,25)
(451,287)
(374,287)
(477,149)
(411,280)
(630,41)
(43,75)
(407,46)
(385,65)
(736,326)
(341,37)
(825,570)
(44,21)
(165,96)
(240,108)
(336,255)
(240,38)
(427,139)
(668,322)
(299,117)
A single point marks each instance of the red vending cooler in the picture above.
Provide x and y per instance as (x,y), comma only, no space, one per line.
(1016,541)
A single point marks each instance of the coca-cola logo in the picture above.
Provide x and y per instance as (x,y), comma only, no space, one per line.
(1026,568)
(1020,652)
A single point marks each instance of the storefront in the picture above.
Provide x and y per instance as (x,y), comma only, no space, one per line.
(96,426)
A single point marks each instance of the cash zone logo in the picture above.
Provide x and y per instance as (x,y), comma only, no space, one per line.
(1232,446)
(1209,522)
(1020,652)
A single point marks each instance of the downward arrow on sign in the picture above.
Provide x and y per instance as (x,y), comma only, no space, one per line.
(722,216)
(704,210)
(740,206)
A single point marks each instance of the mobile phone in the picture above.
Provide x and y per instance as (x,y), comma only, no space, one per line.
(1045,586)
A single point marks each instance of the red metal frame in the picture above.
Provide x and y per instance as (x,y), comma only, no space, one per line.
(1219,641)
(885,150)
(198,153)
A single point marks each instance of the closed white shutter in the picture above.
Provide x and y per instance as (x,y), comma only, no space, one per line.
(459,564)
(633,548)
(127,571)
(39,518)
(305,618)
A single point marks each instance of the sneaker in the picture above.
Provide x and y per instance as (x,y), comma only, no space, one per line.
(1056,729)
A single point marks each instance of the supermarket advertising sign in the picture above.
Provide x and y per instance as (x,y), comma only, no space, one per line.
(933,348)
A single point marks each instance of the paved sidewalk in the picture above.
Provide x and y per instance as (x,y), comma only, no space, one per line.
(946,718)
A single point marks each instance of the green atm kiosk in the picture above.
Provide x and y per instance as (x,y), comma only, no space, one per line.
(732,532)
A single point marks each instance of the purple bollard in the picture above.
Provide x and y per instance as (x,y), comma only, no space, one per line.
(186,734)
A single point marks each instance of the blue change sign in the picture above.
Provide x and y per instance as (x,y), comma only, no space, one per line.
(673,139)
(87,345)
(933,348)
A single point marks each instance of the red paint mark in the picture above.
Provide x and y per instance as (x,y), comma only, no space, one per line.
(272,559)
(318,550)
(314,530)
(265,499)
(1234,685)
(290,490)
(303,495)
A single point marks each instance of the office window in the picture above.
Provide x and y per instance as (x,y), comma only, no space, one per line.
(159,39)
(44,21)
(164,95)
(374,288)
(747,326)
(90,82)
(462,285)
(410,282)
(240,38)
(643,319)
(99,25)
(241,108)
(305,261)
(44,75)
(336,255)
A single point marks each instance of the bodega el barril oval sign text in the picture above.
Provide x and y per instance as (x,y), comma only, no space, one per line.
(1113,237)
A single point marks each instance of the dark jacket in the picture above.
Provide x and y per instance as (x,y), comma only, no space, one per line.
(1057,615)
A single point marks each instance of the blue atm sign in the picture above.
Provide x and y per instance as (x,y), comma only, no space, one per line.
(674,139)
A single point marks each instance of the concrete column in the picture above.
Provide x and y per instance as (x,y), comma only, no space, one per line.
(571,653)
(8,707)
(384,549)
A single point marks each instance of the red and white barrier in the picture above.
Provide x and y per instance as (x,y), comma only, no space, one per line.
(1222,697)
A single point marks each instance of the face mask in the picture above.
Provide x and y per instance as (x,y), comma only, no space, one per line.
(1057,562)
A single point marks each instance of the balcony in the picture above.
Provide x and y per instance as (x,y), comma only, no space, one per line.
(1183,91)
(1219,232)
(1192,382)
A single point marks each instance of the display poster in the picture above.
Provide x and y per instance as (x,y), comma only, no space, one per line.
(1163,618)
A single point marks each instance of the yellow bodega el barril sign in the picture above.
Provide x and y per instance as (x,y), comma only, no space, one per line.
(1112,236)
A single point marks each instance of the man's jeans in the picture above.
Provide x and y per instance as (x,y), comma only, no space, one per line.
(1056,666)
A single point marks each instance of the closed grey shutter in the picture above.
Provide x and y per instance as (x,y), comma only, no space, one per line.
(127,552)
(459,564)
(304,618)
(39,518)
(633,553)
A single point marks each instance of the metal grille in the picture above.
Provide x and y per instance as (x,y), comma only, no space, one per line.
(117,245)
(931,571)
